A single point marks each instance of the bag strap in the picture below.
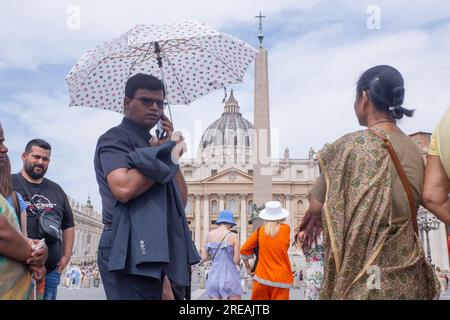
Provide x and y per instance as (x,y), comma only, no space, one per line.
(403,178)
(24,183)
(257,237)
(215,253)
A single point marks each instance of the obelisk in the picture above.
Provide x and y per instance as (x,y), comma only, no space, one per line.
(262,171)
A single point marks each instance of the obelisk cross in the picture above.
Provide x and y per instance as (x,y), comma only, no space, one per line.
(261,35)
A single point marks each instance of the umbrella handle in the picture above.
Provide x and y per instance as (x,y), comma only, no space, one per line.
(164,83)
(170,114)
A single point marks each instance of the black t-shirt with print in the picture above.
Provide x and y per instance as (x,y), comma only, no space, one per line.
(48,196)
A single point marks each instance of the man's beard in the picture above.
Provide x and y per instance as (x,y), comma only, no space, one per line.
(29,169)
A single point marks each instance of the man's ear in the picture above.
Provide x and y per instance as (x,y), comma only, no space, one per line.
(126,104)
(24,156)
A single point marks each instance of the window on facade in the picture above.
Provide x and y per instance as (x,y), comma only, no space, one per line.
(189,207)
(250,210)
(232,205)
(299,173)
(214,207)
(247,141)
(250,172)
(188,173)
(300,206)
(213,172)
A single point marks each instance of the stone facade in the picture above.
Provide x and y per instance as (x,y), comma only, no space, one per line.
(88,228)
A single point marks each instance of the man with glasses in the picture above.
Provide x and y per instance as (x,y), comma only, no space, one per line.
(125,188)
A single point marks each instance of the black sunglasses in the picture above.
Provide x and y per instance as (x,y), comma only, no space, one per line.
(149,102)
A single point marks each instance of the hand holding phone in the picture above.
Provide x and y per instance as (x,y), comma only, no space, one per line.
(160,132)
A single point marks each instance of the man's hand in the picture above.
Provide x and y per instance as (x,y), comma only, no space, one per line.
(167,126)
(62,264)
(39,254)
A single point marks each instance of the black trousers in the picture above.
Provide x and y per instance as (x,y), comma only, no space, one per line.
(120,286)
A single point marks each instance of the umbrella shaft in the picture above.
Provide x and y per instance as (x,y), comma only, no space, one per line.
(158,54)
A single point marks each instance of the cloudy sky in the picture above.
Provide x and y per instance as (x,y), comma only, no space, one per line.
(317,50)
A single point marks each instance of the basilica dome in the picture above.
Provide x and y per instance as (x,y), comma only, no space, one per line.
(229,138)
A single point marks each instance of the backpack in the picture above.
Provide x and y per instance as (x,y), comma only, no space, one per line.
(49,222)
(256,252)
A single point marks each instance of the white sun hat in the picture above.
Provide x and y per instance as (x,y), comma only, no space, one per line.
(273,211)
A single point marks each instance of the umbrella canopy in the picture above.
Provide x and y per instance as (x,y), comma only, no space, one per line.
(191,58)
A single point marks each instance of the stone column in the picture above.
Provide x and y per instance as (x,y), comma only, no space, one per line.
(291,218)
(438,244)
(83,246)
(243,227)
(221,202)
(206,222)
(197,212)
(305,205)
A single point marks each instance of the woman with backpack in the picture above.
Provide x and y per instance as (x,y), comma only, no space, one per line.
(273,274)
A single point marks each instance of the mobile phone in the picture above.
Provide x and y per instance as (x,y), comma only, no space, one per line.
(161,131)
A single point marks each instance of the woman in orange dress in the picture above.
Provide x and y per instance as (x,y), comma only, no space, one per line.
(272,278)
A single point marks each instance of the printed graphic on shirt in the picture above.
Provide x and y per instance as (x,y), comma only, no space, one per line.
(40,204)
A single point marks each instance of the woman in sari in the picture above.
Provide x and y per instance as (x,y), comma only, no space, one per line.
(18,256)
(368,195)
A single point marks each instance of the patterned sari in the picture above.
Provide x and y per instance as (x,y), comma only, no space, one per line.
(15,278)
(366,256)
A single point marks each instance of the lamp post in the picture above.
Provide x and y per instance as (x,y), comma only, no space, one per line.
(427,224)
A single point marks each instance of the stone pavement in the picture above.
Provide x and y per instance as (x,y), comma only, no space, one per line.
(197,294)
(81,294)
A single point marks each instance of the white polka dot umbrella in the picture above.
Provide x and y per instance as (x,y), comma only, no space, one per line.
(195,60)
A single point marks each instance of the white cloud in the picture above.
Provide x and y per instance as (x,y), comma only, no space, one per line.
(39,32)
(72,132)
(318,81)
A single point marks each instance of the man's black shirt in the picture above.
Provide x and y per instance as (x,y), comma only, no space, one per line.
(50,197)
(111,154)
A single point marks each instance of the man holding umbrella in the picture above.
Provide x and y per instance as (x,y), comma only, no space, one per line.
(146,237)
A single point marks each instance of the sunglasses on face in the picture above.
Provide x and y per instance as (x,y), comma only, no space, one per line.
(149,102)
